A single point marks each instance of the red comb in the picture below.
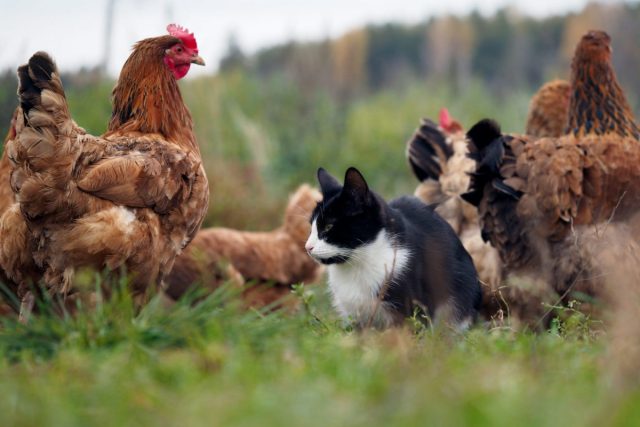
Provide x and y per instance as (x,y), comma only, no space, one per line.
(445,118)
(184,35)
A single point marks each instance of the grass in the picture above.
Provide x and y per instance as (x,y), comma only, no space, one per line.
(214,364)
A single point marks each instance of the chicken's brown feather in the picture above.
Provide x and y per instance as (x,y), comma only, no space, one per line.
(148,101)
(549,110)
(532,194)
(598,105)
(277,258)
(130,200)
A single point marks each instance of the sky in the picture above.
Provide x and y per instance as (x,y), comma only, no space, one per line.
(73,31)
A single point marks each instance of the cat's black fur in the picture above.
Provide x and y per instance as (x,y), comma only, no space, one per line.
(439,270)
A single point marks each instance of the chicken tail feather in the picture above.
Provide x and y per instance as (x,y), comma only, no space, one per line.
(37,77)
(494,156)
(428,151)
(47,123)
(46,139)
(481,135)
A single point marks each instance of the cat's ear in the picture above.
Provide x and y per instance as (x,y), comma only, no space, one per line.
(328,184)
(356,187)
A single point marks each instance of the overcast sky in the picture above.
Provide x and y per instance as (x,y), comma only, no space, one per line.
(73,30)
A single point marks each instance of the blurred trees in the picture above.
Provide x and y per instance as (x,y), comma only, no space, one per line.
(234,57)
(266,121)
(393,54)
(451,42)
(507,51)
(349,63)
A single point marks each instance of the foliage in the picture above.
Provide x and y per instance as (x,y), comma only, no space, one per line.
(507,51)
(278,136)
(8,101)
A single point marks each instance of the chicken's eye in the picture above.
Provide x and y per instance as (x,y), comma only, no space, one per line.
(179,49)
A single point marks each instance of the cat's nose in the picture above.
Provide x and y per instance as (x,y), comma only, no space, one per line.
(308,246)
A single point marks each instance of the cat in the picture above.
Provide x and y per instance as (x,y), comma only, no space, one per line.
(388,261)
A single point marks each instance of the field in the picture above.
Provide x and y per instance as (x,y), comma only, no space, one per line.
(214,365)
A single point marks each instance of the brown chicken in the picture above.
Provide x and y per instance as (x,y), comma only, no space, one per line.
(549,110)
(535,197)
(272,261)
(130,200)
(7,198)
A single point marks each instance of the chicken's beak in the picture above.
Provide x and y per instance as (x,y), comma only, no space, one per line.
(196,59)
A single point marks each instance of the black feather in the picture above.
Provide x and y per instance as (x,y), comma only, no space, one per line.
(483,133)
(473,196)
(29,94)
(41,66)
(33,78)
(487,148)
(423,149)
(504,188)
(490,159)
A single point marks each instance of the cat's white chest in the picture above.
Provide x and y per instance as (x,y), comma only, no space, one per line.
(356,284)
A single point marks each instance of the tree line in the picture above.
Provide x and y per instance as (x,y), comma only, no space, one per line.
(506,51)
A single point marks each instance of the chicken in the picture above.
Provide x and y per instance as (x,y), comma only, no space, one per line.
(549,110)
(438,158)
(129,200)
(536,196)
(272,260)
(6,199)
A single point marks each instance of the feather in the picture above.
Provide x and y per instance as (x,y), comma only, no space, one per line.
(443,152)
(427,150)
(132,198)
(549,110)
(532,192)
(271,260)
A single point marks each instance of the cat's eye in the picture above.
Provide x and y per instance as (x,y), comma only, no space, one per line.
(327,228)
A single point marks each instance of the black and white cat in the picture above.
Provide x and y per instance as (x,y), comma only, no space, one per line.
(402,251)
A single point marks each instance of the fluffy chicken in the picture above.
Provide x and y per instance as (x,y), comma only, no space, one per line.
(438,158)
(535,196)
(129,200)
(271,260)
(549,110)
(6,199)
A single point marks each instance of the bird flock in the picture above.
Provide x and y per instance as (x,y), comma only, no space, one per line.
(548,206)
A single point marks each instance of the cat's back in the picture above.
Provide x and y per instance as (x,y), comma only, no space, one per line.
(436,245)
(424,226)
(419,215)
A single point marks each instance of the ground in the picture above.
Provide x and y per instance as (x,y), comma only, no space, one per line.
(214,364)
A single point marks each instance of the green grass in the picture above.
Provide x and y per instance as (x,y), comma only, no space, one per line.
(213,364)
